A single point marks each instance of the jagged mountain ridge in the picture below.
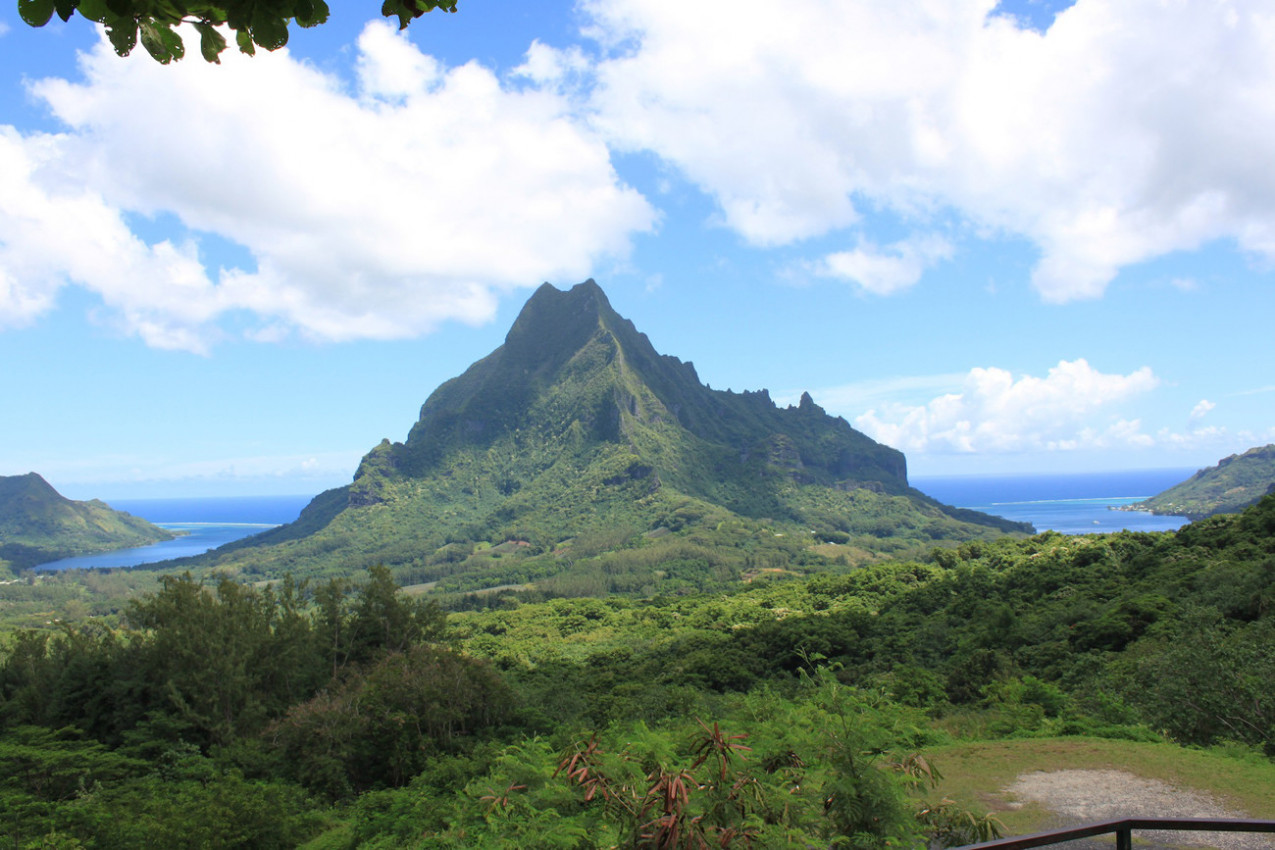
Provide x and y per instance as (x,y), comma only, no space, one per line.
(570,364)
(576,425)
(38,524)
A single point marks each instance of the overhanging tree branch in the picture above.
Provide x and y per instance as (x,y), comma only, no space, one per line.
(254,23)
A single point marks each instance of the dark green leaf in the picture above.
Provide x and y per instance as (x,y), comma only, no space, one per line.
(162,42)
(35,12)
(94,10)
(238,17)
(211,43)
(310,13)
(172,41)
(65,8)
(123,36)
(269,30)
(244,39)
(154,43)
(397,7)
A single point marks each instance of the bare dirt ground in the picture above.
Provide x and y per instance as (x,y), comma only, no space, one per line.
(1084,796)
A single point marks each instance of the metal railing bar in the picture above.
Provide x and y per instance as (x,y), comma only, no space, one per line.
(1125,825)
(1203,824)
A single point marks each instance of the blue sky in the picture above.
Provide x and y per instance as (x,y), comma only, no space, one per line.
(1034,237)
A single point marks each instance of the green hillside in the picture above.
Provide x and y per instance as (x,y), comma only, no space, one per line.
(576,438)
(1235,483)
(888,707)
(38,525)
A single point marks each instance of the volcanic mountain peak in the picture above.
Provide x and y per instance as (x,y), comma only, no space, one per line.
(569,358)
(575,426)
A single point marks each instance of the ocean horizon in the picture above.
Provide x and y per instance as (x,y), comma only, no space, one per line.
(270,510)
(1069,503)
(1072,503)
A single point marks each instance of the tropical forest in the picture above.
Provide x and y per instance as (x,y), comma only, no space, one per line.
(592,603)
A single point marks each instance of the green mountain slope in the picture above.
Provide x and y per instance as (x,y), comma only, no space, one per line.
(37,525)
(1235,483)
(576,437)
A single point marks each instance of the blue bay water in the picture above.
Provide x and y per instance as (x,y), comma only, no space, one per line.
(205,523)
(1071,504)
(1079,503)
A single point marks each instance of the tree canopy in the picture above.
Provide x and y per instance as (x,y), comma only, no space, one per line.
(779,712)
(254,23)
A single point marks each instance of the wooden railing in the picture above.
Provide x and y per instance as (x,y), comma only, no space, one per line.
(1123,830)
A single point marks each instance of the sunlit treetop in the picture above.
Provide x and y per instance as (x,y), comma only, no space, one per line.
(255,23)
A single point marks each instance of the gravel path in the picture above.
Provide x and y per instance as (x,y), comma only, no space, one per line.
(1085,796)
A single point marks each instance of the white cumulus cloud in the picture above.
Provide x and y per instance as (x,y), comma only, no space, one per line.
(53,229)
(376,213)
(996,411)
(889,270)
(1202,409)
(1124,132)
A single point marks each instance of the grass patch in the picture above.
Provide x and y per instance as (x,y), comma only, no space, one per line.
(415,590)
(977,774)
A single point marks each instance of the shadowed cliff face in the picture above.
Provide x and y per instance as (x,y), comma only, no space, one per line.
(556,332)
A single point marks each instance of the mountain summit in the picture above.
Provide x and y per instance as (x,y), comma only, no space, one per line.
(576,428)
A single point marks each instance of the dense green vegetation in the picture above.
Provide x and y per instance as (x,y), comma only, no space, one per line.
(1171,631)
(1235,483)
(576,438)
(39,599)
(38,525)
(784,712)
